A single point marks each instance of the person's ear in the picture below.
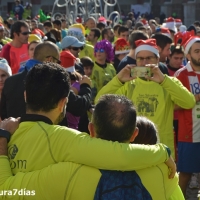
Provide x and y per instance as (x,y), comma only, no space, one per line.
(188,56)
(91,129)
(135,133)
(62,103)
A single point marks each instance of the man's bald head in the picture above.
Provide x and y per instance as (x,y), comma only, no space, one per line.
(43,50)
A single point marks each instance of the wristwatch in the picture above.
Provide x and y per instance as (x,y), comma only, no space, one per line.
(5,134)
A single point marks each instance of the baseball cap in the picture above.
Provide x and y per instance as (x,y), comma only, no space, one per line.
(71,41)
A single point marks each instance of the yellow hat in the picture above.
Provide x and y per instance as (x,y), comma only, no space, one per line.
(34,37)
(78,28)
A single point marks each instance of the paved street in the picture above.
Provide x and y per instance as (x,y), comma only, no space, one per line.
(192,194)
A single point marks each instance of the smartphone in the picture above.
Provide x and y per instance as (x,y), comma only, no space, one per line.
(141,72)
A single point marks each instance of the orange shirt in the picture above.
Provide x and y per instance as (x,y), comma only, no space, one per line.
(15,56)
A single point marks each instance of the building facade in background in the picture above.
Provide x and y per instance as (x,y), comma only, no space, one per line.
(187,10)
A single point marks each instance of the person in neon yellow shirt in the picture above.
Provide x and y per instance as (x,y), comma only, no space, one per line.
(79,181)
(89,24)
(155,96)
(93,36)
(103,71)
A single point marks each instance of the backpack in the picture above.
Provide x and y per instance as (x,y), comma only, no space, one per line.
(117,185)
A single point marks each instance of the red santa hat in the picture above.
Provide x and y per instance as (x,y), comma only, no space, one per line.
(121,46)
(178,22)
(147,45)
(164,31)
(68,61)
(170,24)
(145,23)
(102,20)
(1,27)
(190,42)
(182,38)
(79,20)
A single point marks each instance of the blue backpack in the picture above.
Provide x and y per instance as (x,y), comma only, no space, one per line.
(117,185)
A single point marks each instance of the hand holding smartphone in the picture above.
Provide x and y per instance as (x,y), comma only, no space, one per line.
(141,72)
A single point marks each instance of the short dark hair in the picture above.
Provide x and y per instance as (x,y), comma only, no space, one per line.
(101,25)
(148,133)
(138,25)
(161,40)
(105,31)
(57,22)
(116,27)
(16,27)
(122,29)
(97,32)
(197,23)
(178,49)
(114,118)
(48,24)
(87,61)
(137,35)
(46,84)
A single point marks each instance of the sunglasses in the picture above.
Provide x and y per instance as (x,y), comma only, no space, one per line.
(99,50)
(56,59)
(26,33)
(76,48)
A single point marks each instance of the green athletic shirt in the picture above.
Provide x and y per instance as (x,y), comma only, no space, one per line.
(69,181)
(88,51)
(101,76)
(38,143)
(154,101)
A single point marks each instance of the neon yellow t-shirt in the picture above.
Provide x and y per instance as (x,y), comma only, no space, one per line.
(101,76)
(67,180)
(87,51)
(37,144)
(154,101)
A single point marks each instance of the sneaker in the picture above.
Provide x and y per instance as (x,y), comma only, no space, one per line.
(194,181)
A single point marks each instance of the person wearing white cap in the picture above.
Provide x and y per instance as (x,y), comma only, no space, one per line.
(189,120)
(154,95)
(5,72)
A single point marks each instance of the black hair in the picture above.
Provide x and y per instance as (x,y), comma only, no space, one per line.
(87,61)
(114,118)
(178,49)
(161,40)
(122,29)
(57,22)
(116,27)
(97,32)
(148,133)
(101,25)
(137,35)
(105,31)
(48,24)
(46,84)
(16,27)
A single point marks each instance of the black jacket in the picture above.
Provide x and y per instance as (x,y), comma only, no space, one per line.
(13,104)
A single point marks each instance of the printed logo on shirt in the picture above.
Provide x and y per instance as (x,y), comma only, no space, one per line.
(147,104)
(19,164)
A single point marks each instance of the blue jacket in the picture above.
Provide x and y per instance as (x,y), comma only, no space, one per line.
(30,63)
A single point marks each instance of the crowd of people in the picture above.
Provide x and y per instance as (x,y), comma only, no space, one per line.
(99,109)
